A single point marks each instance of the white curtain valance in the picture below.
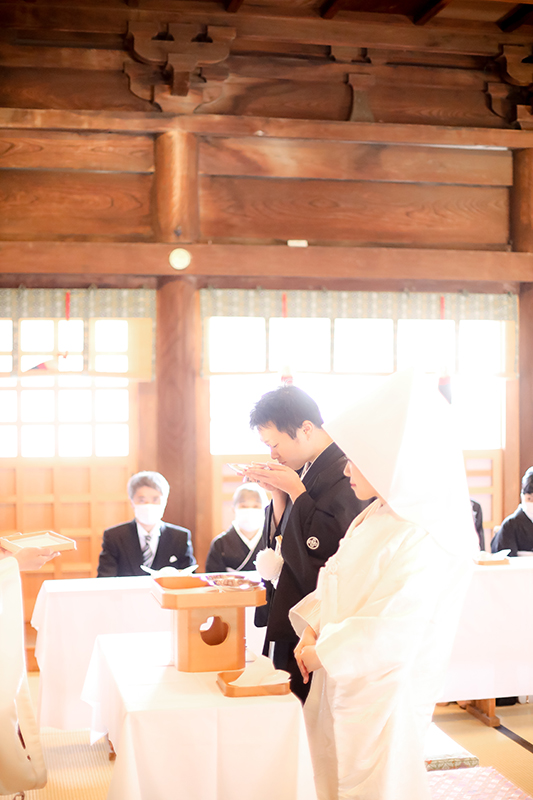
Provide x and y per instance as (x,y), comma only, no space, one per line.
(358,305)
(84,303)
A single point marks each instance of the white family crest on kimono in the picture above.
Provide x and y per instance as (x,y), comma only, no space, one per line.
(388,602)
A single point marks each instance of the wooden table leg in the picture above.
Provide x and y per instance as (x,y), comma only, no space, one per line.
(484,710)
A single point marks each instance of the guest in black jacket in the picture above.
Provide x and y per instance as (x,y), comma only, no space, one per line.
(146,540)
(516,531)
(236,549)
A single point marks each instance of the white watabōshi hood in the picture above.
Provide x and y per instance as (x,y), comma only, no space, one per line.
(403,439)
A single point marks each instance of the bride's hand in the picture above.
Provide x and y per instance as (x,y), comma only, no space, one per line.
(305,661)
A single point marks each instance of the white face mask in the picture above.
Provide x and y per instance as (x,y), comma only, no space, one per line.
(148,513)
(527,508)
(249,520)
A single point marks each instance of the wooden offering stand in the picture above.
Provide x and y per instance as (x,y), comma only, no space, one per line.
(208,627)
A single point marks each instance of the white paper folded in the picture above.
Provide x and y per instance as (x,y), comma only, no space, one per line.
(261,672)
(169,572)
(499,556)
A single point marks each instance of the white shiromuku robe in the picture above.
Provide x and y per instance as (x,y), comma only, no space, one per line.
(21,759)
(386,610)
(387,605)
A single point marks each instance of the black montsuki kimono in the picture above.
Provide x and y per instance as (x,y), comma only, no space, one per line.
(312,529)
(516,533)
(228,551)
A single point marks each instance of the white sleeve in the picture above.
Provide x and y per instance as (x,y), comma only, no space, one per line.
(389,630)
(306,612)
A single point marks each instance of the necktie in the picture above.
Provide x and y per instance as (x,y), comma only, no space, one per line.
(147,550)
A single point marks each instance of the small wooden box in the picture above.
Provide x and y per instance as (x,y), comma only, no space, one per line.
(208,627)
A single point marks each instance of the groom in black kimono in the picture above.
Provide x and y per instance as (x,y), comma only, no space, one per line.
(311,509)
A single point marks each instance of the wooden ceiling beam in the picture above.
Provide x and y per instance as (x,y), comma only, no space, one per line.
(213,125)
(253,24)
(61,57)
(371,263)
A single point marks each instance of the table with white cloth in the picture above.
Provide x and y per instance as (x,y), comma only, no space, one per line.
(493,650)
(70,614)
(492,655)
(177,736)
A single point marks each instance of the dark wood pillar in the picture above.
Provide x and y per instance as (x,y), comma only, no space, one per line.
(182,411)
(525,344)
(522,236)
(175,199)
(176,398)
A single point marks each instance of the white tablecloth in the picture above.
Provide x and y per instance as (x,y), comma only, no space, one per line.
(492,655)
(493,650)
(69,615)
(177,736)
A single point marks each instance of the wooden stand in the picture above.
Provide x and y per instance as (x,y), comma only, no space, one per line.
(484,710)
(208,629)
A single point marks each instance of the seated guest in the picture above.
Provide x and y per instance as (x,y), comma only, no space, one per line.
(146,540)
(516,531)
(477,513)
(236,549)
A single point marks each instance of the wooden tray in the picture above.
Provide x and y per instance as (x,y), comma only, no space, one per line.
(224,683)
(47,541)
(489,563)
(181,582)
(191,591)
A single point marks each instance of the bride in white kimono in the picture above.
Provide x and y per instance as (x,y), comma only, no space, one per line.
(379,629)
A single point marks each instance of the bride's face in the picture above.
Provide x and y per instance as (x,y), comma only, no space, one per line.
(361,487)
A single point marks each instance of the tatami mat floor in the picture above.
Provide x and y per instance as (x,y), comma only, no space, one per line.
(77,771)
(490,745)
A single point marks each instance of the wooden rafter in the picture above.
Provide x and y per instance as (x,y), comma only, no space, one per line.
(428,10)
(519,15)
(232,6)
(331,8)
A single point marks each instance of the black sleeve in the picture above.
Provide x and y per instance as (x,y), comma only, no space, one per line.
(505,539)
(108,561)
(215,558)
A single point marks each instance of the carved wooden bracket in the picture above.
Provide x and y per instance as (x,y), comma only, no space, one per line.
(347,55)
(512,66)
(524,117)
(181,50)
(499,100)
(360,110)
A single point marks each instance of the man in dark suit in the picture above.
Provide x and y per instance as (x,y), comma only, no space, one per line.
(146,540)
(312,506)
